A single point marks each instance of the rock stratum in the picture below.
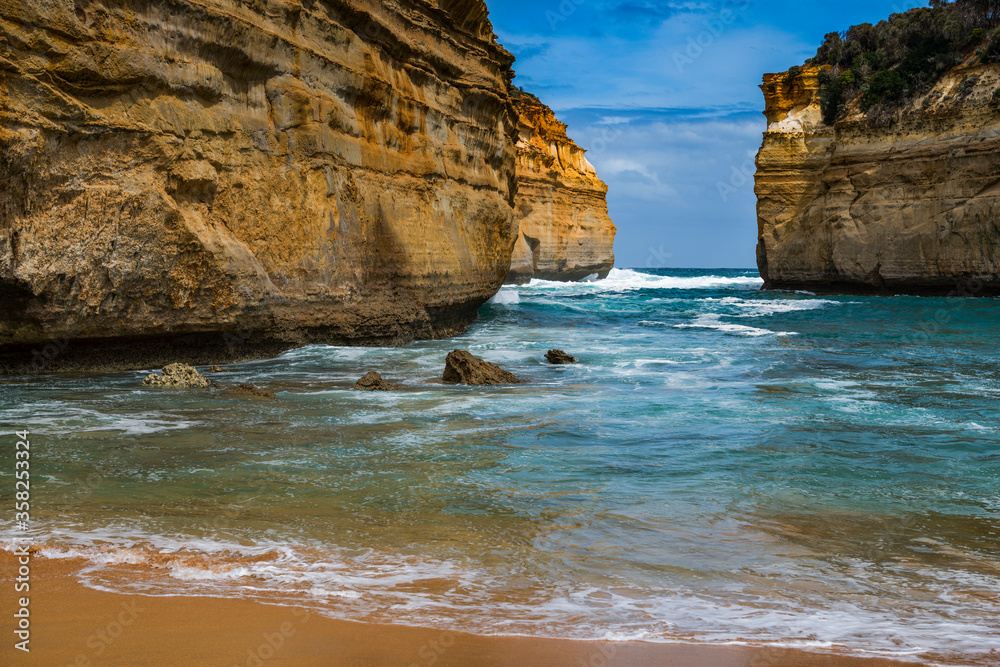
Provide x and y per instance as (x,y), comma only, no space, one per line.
(225,179)
(912,206)
(562,209)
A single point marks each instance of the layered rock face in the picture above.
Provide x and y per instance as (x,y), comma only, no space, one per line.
(910,207)
(225,179)
(562,208)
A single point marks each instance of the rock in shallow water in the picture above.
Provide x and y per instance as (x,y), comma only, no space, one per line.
(558,357)
(250,391)
(374,382)
(178,375)
(463,368)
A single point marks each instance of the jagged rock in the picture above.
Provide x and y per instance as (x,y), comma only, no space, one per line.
(218,181)
(562,208)
(910,206)
(251,391)
(559,357)
(374,382)
(178,375)
(462,367)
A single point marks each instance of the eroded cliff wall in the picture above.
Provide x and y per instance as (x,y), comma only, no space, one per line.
(225,179)
(910,206)
(565,231)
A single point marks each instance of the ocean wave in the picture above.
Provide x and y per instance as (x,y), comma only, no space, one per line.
(59,418)
(713,321)
(626,280)
(767,307)
(508,296)
(450,595)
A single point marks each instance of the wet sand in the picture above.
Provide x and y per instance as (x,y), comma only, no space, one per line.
(74,625)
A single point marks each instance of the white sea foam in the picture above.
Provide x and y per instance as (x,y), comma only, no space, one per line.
(766,307)
(624,280)
(462,596)
(713,321)
(97,556)
(323,593)
(508,296)
(140,424)
(62,417)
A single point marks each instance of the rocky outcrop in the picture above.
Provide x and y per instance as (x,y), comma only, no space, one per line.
(178,375)
(559,358)
(221,180)
(462,367)
(565,231)
(911,206)
(373,382)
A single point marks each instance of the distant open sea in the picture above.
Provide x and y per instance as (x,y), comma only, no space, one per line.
(725,465)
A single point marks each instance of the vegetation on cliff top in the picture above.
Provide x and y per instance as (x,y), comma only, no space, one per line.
(885,65)
(517,93)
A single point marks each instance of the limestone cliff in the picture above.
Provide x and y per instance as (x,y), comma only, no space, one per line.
(912,205)
(566,233)
(225,179)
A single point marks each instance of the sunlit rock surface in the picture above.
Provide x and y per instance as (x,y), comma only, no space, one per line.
(566,233)
(223,179)
(913,206)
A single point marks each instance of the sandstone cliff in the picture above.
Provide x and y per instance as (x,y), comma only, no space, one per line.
(912,205)
(566,233)
(225,179)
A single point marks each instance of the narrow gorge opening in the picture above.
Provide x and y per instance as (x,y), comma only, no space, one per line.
(535,245)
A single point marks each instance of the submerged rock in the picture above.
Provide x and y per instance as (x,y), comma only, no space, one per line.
(559,357)
(464,368)
(178,375)
(374,382)
(251,391)
(218,369)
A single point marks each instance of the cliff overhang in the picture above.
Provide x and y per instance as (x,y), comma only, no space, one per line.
(217,181)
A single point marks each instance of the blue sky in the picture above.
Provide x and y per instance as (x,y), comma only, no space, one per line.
(665,97)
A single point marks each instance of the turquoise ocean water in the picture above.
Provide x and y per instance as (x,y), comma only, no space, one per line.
(725,465)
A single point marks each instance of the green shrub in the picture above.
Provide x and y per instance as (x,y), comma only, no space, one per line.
(991,52)
(967,86)
(517,92)
(888,63)
(885,87)
(832,96)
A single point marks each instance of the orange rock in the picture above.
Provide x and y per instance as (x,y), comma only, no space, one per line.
(904,205)
(565,231)
(221,180)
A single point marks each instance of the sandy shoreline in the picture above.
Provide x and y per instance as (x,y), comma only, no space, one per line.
(74,625)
